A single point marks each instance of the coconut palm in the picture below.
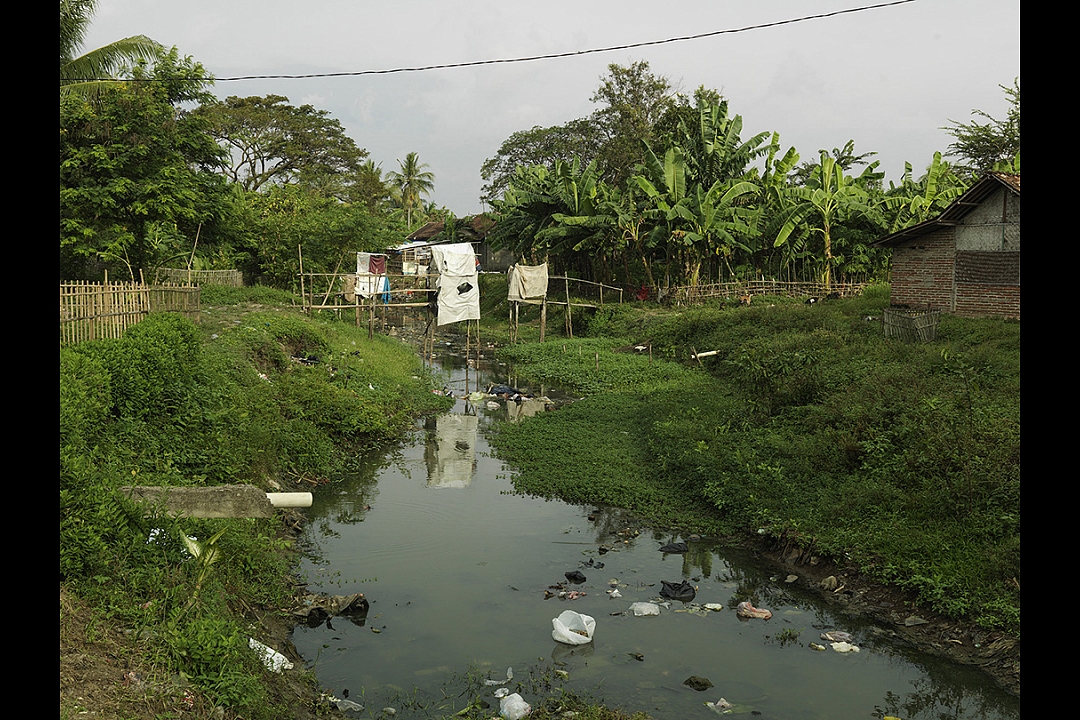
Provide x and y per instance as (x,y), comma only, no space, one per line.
(411,183)
(87,74)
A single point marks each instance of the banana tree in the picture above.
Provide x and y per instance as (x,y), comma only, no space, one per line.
(715,224)
(580,222)
(913,202)
(664,184)
(830,197)
(714,150)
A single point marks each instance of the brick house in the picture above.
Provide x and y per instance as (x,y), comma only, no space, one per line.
(967,260)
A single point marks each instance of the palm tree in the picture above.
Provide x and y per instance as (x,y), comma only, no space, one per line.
(83,74)
(411,183)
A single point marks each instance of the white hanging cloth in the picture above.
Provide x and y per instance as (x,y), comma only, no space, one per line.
(527,281)
(459,291)
(370,275)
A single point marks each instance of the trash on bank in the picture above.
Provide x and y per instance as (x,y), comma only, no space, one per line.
(272,659)
(573,628)
(316,608)
(509,677)
(746,610)
(347,705)
(514,707)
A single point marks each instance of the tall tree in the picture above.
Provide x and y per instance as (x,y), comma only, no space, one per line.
(85,74)
(581,139)
(271,141)
(411,184)
(633,101)
(138,175)
(982,145)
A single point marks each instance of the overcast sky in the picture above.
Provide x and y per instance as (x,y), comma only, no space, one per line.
(888,78)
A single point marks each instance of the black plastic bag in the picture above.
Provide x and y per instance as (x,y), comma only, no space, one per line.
(684,591)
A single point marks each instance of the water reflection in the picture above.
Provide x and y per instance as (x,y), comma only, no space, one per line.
(450,451)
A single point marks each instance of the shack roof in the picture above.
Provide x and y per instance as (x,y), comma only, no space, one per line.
(986,186)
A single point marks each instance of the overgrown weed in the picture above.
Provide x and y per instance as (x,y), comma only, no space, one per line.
(806,424)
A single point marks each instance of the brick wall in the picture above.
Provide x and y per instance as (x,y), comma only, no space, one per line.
(922,271)
(986,300)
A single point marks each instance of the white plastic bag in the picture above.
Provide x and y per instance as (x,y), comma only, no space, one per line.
(513,707)
(272,659)
(641,609)
(573,628)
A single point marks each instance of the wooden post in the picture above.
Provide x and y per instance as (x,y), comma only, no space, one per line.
(303,297)
(543,317)
(371,319)
(569,317)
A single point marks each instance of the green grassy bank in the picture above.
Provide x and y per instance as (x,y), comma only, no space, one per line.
(807,425)
(257,394)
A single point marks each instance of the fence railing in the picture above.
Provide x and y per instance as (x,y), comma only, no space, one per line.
(91,310)
(693,294)
(181,276)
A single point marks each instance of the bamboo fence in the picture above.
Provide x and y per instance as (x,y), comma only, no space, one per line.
(693,294)
(181,276)
(92,310)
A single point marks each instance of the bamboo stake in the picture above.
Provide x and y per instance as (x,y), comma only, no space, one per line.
(330,286)
(371,319)
(543,317)
(303,296)
(569,315)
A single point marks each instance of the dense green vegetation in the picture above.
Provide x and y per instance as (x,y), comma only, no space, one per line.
(808,426)
(656,188)
(262,396)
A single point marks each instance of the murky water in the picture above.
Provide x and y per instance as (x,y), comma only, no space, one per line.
(456,570)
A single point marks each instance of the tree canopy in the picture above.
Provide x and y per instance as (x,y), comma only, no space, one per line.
(137,173)
(82,74)
(270,141)
(983,145)
(411,184)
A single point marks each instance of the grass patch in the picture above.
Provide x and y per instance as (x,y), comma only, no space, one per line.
(808,425)
(261,395)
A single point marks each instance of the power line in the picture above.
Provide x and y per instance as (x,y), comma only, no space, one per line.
(574,53)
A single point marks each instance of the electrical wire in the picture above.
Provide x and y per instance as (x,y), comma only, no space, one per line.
(553,56)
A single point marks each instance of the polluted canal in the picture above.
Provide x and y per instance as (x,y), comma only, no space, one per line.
(459,571)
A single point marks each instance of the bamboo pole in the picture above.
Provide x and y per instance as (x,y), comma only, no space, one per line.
(569,311)
(371,318)
(303,296)
(543,317)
